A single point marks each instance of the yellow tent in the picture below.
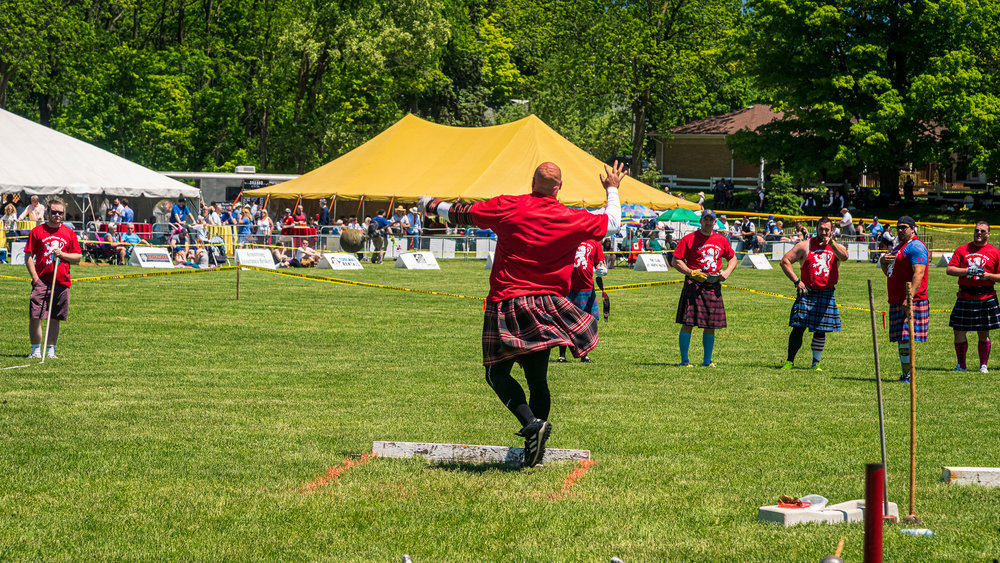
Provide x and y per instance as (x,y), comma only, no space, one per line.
(416,157)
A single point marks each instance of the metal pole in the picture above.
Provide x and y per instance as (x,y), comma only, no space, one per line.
(913,407)
(878,392)
(238,280)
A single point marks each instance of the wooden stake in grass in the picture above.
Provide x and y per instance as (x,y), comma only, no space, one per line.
(52,298)
(878,393)
(238,281)
(912,518)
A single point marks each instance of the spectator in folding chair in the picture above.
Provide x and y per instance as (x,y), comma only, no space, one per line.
(129,240)
(180,244)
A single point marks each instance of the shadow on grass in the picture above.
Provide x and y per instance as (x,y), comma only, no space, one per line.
(865,379)
(473,467)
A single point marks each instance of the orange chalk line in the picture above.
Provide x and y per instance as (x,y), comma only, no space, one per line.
(581,469)
(333,473)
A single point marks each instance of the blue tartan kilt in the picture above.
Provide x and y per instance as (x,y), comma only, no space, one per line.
(586,301)
(816,310)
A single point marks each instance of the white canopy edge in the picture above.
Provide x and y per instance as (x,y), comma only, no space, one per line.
(41,161)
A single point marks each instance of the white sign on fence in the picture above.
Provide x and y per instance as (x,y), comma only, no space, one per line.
(260,257)
(778,249)
(17,252)
(651,263)
(857,251)
(148,257)
(756,261)
(340,261)
(442,247)
(417,261)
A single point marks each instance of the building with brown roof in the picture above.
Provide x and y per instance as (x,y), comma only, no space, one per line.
(696,153)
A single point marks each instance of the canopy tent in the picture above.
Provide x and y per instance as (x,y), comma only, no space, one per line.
(416,157)
(38,160)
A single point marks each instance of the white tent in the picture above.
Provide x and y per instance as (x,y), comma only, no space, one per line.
(38,160)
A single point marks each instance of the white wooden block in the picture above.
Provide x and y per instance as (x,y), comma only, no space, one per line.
(985,476)
(417,261)
(850,511)
(339,261)
(17,252)
(945,258)
(469,453)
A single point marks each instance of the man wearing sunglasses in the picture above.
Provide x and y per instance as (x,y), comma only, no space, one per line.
(907,262)
(977,266)
(46,242)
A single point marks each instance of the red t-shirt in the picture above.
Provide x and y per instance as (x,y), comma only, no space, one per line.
(41,241)
(821,268)
(986,257)
(537,237)
(588,255)
(705,253)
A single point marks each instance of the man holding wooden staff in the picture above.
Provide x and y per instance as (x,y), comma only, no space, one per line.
(907,262)
(977,266)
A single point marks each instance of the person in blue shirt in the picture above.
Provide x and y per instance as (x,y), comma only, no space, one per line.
(128,216)
(875,230)
(378,235)
(180,212)
(245,226)
(126,242)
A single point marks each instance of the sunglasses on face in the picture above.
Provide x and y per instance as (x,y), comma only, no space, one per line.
(902,227)
(54,212)
(982,231)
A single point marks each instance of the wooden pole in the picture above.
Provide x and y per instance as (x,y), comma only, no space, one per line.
(913,406)
(878,392)
(238,281)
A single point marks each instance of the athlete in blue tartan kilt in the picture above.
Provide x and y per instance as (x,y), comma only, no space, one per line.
(815,308)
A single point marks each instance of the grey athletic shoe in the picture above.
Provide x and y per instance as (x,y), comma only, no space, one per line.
(535,434)
(36,355)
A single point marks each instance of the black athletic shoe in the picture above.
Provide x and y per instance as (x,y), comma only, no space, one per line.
(561,359)
(535,434)
(585,359)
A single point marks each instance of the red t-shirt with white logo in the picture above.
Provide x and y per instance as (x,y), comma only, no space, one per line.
(986,257)
(821,268)
(537,237)
(588,255)
(705,253)
(42,240)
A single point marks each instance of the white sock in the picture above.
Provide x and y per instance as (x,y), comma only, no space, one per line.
(36,348)
(52,348)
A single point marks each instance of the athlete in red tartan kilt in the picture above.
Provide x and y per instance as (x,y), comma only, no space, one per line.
(906,262)
(699,256)
(526,311)
(815,308)
(977,266)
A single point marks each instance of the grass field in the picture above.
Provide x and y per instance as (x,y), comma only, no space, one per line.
(180,423)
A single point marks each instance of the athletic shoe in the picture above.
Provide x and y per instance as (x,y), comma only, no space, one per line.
(815,367)
(787,365)
(686,365)
(535,434)
(708,365)
(983,369)
(37,355)
(585,359)
(905,378)
(959,368)
(561,359)
(50,355)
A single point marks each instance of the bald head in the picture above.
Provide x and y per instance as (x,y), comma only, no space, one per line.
(547,179)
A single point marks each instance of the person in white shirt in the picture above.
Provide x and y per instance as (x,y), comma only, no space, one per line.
(846,223)
(33,212)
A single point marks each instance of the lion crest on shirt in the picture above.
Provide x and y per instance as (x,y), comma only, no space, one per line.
(710,259)
(821,264)
(582,257)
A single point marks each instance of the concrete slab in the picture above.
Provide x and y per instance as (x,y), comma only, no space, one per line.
(469,453)
(985,476)
(850,511)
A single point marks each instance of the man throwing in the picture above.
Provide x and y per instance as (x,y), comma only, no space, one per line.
(907,262)
(977,266)
(699,256)
(46,242)
(588,261)
(815,307)
(526,313)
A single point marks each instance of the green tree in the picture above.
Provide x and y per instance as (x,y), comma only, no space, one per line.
(874,84)
(781,196)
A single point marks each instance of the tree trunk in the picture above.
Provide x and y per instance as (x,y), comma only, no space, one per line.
(638,132)
(44,109)
(888,182)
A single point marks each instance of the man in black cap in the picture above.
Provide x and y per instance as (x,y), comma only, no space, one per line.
(907,262)
(180,212)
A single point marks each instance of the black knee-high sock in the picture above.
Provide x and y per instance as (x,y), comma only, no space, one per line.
(562,351)
(536,368)
(795,341)
(510,392)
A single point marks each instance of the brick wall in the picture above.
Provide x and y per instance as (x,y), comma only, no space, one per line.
(701,157)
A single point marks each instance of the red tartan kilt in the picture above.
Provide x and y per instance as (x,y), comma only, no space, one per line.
(531,323)
(701,305)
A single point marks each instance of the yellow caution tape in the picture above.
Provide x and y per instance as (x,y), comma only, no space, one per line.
(640,285)
(157,274)
(357,283)
(15,278)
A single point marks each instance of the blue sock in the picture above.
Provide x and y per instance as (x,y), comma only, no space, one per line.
(685,342)
(708,342)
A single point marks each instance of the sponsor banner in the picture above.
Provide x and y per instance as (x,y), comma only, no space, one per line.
(147,257)
(339,261)
(417,261)
(260,257)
